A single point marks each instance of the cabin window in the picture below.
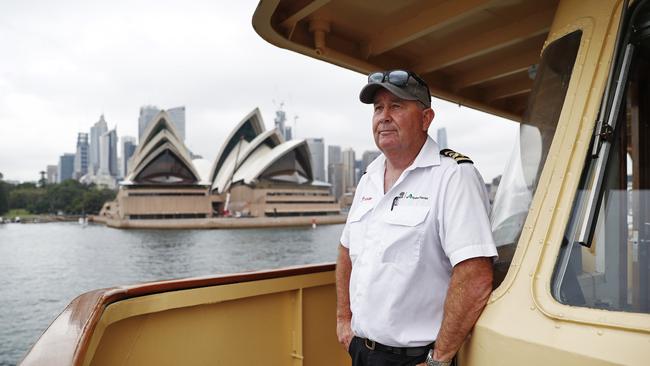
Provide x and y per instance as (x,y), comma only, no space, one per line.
(522,172)
(604,262)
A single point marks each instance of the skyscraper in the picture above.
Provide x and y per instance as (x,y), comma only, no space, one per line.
(148,112)
(367,157)
(333,156)
(335,178)
(96,131)
(441,138)
(52,173)
(348,169)
(66,167)
(108,154)
(317,153)
(178,118)
(128,148)
(280,123)
(81,156)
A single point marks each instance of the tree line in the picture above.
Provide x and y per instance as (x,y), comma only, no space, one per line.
(69,197)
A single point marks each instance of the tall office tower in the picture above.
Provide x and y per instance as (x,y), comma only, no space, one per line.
(367,157)
(96,131)
(66,167)
(128,148)
(317,153)
(347,156)
(441,138)
(288,133)
(335,177)
(148,112)
(52,172)
(333,157)
(108,154)
(81,156)
(280,120)
(178,118)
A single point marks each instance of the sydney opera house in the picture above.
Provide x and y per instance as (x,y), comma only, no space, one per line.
(256,173)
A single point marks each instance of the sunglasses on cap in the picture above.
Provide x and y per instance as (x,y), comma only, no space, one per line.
(398,78)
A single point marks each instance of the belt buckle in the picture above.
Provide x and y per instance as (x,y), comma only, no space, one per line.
(372,348)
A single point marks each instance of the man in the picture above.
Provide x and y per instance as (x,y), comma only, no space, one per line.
(415,260)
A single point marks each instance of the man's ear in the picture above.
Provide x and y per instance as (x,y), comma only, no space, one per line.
(427,118)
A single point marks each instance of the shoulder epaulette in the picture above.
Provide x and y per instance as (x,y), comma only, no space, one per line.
(460,158)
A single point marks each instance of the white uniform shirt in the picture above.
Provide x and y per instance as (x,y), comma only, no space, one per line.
(403,249)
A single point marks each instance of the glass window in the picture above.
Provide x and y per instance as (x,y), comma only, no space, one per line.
(610,269)
(521,175)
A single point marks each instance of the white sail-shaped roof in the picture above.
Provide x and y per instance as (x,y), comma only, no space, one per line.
(254,150)
(296,153)
(244,132)
(162,158)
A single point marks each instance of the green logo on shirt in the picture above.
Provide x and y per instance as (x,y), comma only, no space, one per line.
(412,197)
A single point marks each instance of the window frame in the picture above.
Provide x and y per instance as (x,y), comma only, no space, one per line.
(552,206)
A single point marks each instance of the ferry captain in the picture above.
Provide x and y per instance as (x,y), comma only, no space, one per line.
(414,266)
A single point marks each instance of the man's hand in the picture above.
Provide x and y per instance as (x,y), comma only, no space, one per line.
(344,332)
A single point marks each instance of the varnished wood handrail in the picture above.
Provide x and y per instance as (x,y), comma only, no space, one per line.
(66,340)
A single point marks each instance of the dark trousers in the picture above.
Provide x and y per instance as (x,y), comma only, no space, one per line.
(363,356)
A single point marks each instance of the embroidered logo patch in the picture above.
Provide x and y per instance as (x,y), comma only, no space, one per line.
(364,198)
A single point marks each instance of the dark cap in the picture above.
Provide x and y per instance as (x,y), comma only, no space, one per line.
(414,89)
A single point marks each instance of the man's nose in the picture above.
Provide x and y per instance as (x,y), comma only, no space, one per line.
(384,115)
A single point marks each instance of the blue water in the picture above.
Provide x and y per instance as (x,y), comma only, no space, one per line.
(45,266)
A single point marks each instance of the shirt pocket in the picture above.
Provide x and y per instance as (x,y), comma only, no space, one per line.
(358,227)
(403,234)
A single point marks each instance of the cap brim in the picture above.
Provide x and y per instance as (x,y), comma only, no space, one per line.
(368,92)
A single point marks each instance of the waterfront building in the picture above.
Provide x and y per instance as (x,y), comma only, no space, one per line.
(81,156)
(175,115)
(348,160)
(441,138)
(317,154)
(96,131)
(266,175)
(52,172)
(256,173)
(66,167)
(108,154)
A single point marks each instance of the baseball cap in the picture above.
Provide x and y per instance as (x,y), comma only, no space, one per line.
(402,83)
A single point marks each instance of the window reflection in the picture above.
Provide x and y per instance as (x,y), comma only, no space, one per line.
(521,175)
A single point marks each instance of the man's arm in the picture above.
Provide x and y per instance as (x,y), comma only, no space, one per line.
(469,290)
(343,312)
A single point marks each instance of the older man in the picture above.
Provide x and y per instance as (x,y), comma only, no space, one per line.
(414,268)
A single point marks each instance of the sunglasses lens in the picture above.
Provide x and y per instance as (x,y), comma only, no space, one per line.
(376,77)
(398,77)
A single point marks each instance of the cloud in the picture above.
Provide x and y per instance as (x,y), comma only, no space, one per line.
(74,60)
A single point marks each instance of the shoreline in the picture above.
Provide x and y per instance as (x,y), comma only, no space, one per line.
(221,222)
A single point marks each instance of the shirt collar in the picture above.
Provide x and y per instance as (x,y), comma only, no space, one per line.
(429,155)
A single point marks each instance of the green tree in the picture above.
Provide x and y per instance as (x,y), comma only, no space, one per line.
(4,197)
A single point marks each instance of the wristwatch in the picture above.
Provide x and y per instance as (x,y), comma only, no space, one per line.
(431,362)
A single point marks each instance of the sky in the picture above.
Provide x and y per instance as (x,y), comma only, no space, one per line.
(64,63)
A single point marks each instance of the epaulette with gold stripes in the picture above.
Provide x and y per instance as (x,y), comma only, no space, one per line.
(460,158)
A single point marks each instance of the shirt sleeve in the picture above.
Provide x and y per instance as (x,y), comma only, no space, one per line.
(465,225)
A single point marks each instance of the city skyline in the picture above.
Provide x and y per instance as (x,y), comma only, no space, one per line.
(68,67)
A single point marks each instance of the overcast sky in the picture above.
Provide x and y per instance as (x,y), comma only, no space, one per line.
(64,63)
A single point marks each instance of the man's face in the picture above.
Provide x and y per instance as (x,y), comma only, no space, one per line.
(398,124)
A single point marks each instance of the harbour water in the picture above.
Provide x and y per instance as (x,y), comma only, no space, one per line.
(45,266)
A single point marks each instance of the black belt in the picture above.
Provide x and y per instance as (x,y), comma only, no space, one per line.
(407,351)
